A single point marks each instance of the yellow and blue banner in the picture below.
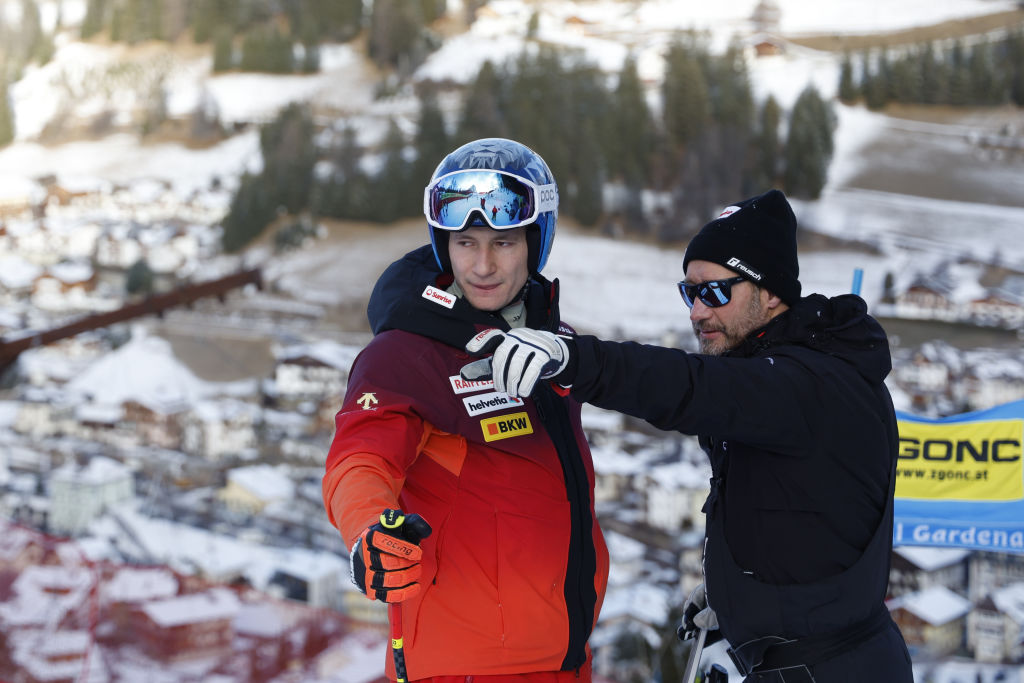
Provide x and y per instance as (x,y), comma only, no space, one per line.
(960,480)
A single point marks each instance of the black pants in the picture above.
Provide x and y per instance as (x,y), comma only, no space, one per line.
(882,658)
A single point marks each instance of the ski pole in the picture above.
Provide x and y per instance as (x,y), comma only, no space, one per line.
(397,645)
(692,664)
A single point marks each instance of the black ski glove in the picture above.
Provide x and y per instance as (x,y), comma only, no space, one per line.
(385,559)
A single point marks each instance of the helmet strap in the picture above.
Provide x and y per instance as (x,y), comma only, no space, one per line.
(533,247)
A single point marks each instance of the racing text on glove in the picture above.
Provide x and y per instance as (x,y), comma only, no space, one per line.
(385,559)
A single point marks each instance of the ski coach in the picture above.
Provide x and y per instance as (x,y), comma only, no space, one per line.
(471,509)
(788,400)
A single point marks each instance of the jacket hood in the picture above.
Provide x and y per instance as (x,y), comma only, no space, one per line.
(839,326)
(410,296)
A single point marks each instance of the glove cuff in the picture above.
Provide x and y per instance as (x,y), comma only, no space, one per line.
(567,375)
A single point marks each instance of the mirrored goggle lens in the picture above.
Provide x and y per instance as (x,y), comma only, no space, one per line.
(503,200)
(713,293)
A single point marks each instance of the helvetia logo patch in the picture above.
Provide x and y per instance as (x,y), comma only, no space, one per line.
(506,426)
(488,403)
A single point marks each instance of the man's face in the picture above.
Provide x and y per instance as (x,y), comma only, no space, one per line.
(723,328)
(489,265)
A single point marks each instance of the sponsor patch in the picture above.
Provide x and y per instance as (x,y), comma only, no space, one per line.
(368,400)
(506,426)
(464,386)
(728,211)
(488,403)
(439,296)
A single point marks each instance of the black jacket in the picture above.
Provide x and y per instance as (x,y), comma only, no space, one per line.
(802,438)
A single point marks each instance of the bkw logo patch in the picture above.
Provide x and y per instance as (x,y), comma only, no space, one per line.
(506,426)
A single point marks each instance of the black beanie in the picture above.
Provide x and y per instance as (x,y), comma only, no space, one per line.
(756,238)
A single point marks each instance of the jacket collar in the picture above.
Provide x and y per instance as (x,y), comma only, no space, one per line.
(410,295)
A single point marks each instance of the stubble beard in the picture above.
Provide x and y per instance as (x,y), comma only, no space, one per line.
(732,335)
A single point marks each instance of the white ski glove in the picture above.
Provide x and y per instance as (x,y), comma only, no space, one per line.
(697,615)
(521,357)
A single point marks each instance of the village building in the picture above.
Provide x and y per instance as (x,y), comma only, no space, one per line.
(188,626)
(917,568)
(219,429)
(995,626)
(988,571)
(932,620)
(250,489)
(80,493)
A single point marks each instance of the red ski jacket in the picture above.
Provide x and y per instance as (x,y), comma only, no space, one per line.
(516,567)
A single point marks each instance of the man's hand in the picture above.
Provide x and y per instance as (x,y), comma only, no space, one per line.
(385,559)
(697,615)
(521,357)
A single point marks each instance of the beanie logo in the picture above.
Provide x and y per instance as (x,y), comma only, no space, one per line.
(728,211)
(739,265)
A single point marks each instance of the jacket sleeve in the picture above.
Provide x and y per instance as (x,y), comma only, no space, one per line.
(757,400)
(378,436)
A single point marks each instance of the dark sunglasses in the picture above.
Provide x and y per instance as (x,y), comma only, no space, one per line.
(713,293)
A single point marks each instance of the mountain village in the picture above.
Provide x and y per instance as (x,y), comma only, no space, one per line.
(150,513)
(158,525)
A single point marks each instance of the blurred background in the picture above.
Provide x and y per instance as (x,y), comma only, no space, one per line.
(196,197)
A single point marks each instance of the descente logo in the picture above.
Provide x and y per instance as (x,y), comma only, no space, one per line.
(488,403)
(439,296)
(736,264)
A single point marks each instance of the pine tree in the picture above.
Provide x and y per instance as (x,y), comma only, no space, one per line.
(732,102)
(632,138)
(431,140)
(767,150)
(809,145)
(250,212)
(588,203)
(934,76)
(959,77)
(848,92)
(92,23)
(984,86)
(584,117)
(686,101)
(6,114)
(1015,66)
(139,278)
(223,51)
(387,205)
(396,36)
(482,116)
(873,85)
(289,154)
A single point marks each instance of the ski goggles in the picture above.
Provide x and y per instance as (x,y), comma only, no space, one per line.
(504,200)
(713,293)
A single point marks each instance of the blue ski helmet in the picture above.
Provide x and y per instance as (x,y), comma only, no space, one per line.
(494,182)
